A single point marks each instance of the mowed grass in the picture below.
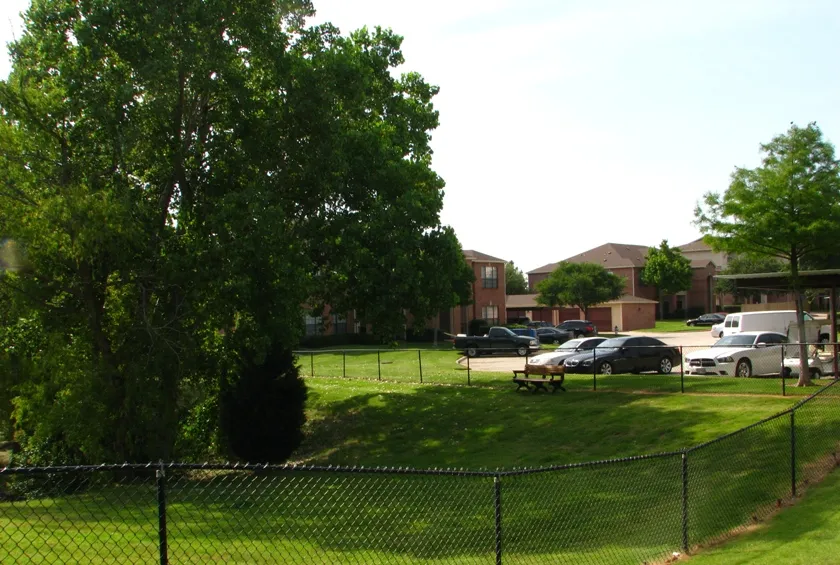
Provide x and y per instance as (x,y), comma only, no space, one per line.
(805,534)
(663,326)
(622,512)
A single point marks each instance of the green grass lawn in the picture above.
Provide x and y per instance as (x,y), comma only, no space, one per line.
(804,534)
(623,512)
(668,326)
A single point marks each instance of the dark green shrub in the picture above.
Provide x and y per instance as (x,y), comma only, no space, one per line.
(262,412)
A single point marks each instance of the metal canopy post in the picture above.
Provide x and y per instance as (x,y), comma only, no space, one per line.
(832,337)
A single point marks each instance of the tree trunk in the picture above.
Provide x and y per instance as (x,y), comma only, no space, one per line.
(804,370)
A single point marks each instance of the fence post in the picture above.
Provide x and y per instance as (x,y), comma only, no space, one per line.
(160,475)
(420,362)
(378,365)
(497,483)
(344,363)
(793,453)
(468,369)
(594,369)
(311,364)
(685,502)
(682,371)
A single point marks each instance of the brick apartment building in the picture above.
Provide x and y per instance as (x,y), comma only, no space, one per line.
(636,308)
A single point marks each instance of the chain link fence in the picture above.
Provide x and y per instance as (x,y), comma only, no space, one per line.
(749,369)
(632,510)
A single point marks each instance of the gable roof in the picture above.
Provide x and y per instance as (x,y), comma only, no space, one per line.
(609,256)
(472,255)
(702,263)
(523,301)
(696,245)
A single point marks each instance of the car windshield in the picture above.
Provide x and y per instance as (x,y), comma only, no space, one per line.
(612,343)
(731,340)
(571,345)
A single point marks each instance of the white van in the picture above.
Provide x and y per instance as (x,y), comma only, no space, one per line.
(773,321)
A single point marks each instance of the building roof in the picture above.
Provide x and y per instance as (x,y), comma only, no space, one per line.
(609,256)
(473,255)
(522,301)
(696,245)
(701,263)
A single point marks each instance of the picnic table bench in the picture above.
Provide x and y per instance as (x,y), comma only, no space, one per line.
(524,379)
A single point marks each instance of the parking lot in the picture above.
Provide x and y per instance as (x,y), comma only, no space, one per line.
(499,363)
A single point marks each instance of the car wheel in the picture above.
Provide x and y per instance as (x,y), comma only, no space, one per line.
(816,373)
(787,372)
(744,368)
(665,365)
(720,335)
(605,368)
(472,351)
(522,351)
(689,323)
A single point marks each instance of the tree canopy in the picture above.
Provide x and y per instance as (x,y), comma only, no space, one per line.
(668,270)
(579,284)
(515,281)
(179,178)
(788,208)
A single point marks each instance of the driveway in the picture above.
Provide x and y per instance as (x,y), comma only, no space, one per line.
(690,340)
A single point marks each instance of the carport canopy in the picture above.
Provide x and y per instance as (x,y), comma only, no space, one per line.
(822,279)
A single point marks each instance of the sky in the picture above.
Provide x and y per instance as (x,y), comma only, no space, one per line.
(568,124)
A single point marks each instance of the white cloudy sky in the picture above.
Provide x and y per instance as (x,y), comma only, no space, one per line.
(567,124)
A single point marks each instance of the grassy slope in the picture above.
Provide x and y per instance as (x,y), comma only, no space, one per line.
(806,534)
(371,423)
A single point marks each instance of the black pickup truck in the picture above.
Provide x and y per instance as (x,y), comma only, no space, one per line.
(497,340)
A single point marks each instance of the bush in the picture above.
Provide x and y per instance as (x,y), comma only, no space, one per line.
(262,413)
(478,327)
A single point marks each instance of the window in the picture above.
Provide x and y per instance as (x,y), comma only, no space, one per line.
(314,326)
(491,314)
(489,277)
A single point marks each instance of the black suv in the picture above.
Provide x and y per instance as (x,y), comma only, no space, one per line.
(579,328)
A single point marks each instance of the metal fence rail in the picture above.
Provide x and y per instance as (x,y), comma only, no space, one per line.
(627,510)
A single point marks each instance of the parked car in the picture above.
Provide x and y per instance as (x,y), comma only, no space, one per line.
(740,355)
(819,363)
(553,335)
(579,327)
(705,320)
(717,330)
(497,340)
(625,355)
(539,324)
(568,349)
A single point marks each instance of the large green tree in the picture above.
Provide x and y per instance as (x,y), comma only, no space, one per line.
(788,208)
(180,177)
(579,284)
(515,281)
(668,270)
